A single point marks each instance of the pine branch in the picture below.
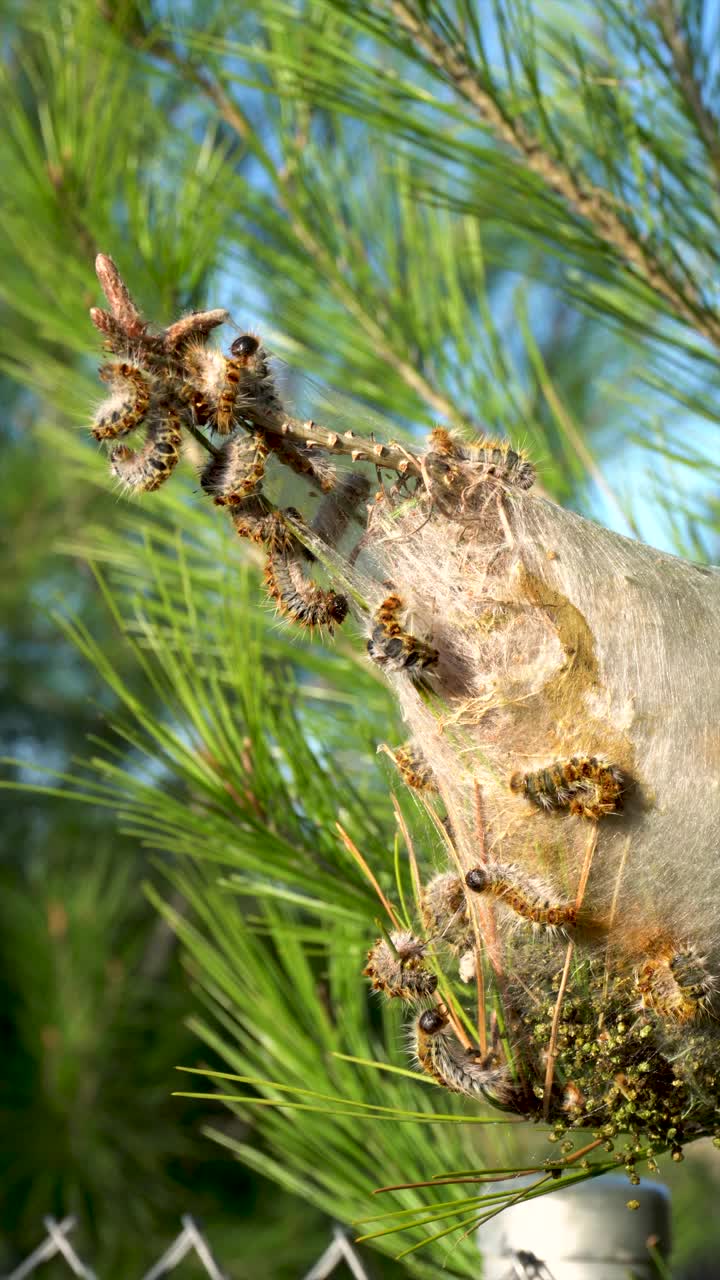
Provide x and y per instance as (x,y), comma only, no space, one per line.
(687,79)
(591,202)
(236,120)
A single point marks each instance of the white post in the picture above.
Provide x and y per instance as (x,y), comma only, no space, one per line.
(584,1233)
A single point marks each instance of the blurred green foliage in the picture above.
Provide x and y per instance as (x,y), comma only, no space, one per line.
(323,169)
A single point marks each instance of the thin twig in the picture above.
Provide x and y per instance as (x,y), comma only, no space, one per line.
(489,923)
(236,120)
(610,923)
(356,854)
(412,859)
(586,867)
(552,1045)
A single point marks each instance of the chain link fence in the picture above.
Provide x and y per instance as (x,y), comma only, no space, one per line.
(189,1240)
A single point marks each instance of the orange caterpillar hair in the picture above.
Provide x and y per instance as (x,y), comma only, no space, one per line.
(293,592)
(675,983)
(394,648)
(396,967)
(236,471)
(128,403)
(527,897)
(414,768)
(485,456)
(251,520)
(586,785)
(148,468)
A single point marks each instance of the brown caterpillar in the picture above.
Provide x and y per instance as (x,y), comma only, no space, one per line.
(251,520)
(586,785)
(256,377)
(675,983)
(444,913)
(222,383)
(244,379)
(459,467)
(126,407)
(190,397)
(396,967)
(300,460)
(455,1068)
(414,768)
(148,468)
(236,471)
(293,592)
(527,897)
(243,361)
(392,647)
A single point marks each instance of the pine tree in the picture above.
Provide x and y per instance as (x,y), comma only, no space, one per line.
(501,222)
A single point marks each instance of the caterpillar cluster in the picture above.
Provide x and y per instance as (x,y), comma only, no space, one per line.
(587,786)
(236,471)
(396,967)
(674,983)
(203,387)
(414,768)
(458,471)
(172,380)
(593,1031)
(599,1040)
(392,647)
(614,1070)
(147,468)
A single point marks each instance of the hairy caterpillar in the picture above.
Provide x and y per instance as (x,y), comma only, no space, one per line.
(251,520)
(236,471)
(414,768)
(148,468)
(245,380)
(392,647)
(126,407)
(223,383)
(396,967)
(675,983)
(458,467)
(455,1068)
(443,909)
(293,592)
(298,458)
(586,785)
(527,897)
(246,371)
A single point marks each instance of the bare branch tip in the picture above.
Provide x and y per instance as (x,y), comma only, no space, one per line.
(100,319)
(105,267)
